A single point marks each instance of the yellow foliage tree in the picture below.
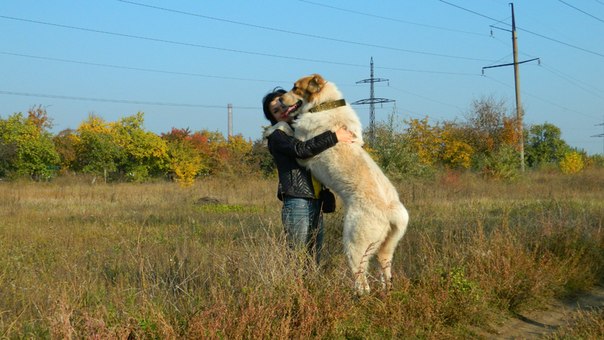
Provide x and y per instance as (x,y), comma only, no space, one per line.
(122,147)
(572,163)
(95,124)
(439,144)
(455,152)
(238,146)
(96,151)
(146,152)
(424,140)
(185,163)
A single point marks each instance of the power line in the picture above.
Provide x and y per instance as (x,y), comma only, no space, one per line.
(580,10)
(71,61)
(469,10)
(216,48)
(429,99)
(173,42)
(540,98)
(132,68)
(574,81)
(570,79)
(525,30)
(391,19)
(121,101)
(427,71)
(79,62)
(314,36)
(562,42)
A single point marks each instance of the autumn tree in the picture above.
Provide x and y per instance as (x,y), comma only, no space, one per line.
(544,145)
(439,144)
(572,162)
(221,155)
(65,144)
(208,145)
(485,122)
(394,153)
(261,158)
(38,116)
(495,137)
(424,140)
(185,163)
(96,150)
(146,154)
(26,147)
(455,152)
(239,153)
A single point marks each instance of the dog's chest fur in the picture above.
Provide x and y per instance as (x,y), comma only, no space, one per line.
(310,125)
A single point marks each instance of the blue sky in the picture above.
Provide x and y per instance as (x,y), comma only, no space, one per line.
(182,62)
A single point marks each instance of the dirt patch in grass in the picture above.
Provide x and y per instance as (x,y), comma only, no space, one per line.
(558,313)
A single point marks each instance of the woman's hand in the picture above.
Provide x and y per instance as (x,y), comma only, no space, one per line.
(344,135)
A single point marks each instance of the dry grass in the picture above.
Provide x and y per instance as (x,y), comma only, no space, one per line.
(153,261)
(585,324)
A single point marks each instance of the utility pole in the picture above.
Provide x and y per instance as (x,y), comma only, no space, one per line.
(601,135)
(372,100)
(519,110)
(230,120)
(516,63)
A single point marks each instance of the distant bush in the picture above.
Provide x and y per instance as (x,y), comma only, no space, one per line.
(393,152)
(571,163)
(504,163)
(26,148)
(595,161)
(486,143)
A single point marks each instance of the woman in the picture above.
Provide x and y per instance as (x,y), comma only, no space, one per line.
(299,191)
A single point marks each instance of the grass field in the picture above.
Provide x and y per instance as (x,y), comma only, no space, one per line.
(159,261)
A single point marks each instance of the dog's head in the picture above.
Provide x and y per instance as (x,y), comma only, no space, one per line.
(304,93)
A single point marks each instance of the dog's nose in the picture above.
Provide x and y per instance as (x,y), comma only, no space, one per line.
(283,106)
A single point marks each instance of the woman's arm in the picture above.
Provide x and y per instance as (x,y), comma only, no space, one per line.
(280,142)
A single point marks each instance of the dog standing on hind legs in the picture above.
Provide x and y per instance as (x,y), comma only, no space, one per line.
(374,218)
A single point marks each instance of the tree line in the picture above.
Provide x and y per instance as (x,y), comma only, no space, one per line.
(486,141)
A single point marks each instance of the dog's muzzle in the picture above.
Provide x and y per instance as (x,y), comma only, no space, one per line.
(292,110)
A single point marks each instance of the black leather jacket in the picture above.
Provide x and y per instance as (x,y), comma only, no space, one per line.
(295,180)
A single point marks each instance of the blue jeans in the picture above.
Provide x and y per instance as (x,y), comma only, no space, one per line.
(303,224)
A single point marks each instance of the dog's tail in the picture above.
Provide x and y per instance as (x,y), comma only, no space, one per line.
(399,219)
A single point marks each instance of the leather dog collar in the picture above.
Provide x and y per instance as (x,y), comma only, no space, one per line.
(328,105)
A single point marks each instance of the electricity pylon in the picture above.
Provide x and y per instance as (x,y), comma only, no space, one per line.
(372,101)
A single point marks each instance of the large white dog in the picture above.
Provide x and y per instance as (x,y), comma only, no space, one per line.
(374,218)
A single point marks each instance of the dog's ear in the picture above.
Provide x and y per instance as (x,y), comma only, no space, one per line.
(316,83)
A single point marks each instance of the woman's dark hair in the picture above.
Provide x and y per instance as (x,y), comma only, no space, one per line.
(266,102)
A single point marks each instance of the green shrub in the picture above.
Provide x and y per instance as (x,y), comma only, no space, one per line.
(26,149)
(501,164)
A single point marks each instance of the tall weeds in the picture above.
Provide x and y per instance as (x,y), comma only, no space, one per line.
(156,261)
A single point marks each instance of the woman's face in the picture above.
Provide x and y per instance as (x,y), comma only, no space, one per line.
(277,110)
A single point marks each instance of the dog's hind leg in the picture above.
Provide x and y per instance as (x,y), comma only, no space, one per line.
(384,257)
(358,261)
(358,248)
(363,234)
(385,253)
